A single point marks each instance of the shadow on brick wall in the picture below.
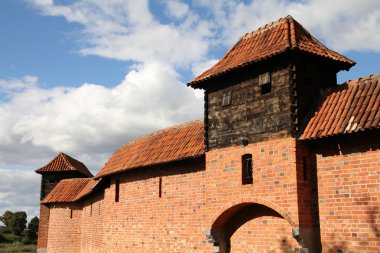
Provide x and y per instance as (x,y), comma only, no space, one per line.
(345,145)
(286,247)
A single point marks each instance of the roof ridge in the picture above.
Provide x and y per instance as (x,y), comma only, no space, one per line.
(64,157)
(355,81)
(183,141)
(280,36)
(65,163)
(78,179)
(70,190)
(265,27)
(164,130)
(292,34)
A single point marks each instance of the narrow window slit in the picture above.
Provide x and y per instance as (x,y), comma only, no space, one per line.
(160,187)
(117,189)
(247,177)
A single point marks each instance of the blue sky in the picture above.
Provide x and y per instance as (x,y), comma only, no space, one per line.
(84,77)
(46,47)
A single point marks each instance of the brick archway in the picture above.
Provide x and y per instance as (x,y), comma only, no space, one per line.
(235,214)
(255,200)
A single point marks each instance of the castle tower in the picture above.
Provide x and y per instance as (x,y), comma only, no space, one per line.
(264,89)
(61,167)
(266,84)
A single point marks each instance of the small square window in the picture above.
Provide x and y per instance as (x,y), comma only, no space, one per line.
(226,99)
(265,83)
(265,88)
(264,78)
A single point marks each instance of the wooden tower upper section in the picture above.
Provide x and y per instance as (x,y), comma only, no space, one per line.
(266,85)
(61,167)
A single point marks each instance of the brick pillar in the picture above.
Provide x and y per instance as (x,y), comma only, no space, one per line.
(43,229)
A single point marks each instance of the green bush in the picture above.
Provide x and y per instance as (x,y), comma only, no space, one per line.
(11,237)
(16,248)
(3,239)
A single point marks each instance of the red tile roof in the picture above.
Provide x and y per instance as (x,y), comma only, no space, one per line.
(70,190)
(63,162)
(272,39)
(354,107)
(167,145)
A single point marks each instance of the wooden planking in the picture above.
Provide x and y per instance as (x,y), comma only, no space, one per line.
(250,116)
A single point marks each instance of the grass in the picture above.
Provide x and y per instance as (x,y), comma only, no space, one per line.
(17,247)
(10,243)
(10,237)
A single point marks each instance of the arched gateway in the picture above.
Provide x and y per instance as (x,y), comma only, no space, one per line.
(258,226)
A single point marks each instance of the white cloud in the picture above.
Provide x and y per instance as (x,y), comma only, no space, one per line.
(127,30)
(130,30)
(89,122)
(93,119)
(176,9)
(19,191)
(343,25)
(15,85)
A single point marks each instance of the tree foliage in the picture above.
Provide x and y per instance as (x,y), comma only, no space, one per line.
(7,218)
(16,222)
(32,231)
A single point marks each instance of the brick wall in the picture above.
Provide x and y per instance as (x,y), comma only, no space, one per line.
(274,188)
(43,228)
(93,223)
(207,195)
(64,228)
(142,221)
(264,234)
(193,198)
(349,196)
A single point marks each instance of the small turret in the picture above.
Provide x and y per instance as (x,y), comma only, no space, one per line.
(61,167)
(266,84)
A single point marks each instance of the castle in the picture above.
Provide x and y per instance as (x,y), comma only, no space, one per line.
(285,160)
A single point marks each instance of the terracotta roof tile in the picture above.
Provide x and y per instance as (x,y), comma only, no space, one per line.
(64,162)
(353,107)
(70,190)
(270,40)
(167,145)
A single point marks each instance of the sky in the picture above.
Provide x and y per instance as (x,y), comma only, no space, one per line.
(84,77)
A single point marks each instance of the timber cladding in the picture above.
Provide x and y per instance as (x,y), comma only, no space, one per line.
(249,115)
